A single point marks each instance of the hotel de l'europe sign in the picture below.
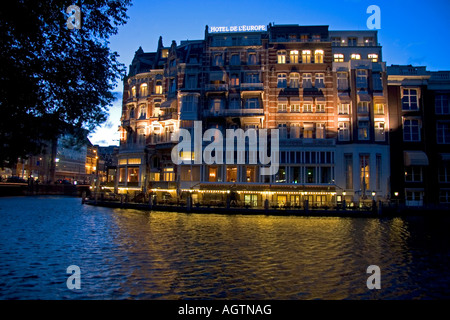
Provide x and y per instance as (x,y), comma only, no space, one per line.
(238,28)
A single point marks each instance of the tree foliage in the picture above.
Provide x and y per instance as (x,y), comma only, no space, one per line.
(53,79)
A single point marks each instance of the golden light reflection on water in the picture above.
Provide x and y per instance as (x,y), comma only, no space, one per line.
(255,257)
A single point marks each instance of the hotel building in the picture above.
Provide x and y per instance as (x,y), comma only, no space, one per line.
(325,91)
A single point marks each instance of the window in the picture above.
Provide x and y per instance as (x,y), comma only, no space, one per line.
(283,130)
(252,103)
(363,130)
(307,80)
(379,169)
(252,58)
(235,103)
(235,59)
(133,91)
(377,82)
(191,81)
(132,113)
(342,80)
(364,169)
(282,80)
(307,108)
(281,57)
(348,168)
(320,108)
(443,132)
(316,37)
(310,174)
(361,78)
(355,56)
(379,131)
(304,38)
(343,108)
(122,174)
(410,100)
(172,85)
(282,107)
(338,57)
(293,58)
(189,103)
(320,80)
(368,41)
(143,111)
(133,174)
(294,80)
(294,131)
(444,172)
(363,107)
(441,104)
(378,108)
(352,41)
(344,131)
(411,130)
(308,130)
(252,77)
(336,41)
(216,105)
(320,131)
(414,198)
(158,87)
(143,90)
(444,196)
(234,80)
(169,174)
(295,108)
(413,174)
(373,57)
(318,56)
(306,56)
(231,174)
(217,60)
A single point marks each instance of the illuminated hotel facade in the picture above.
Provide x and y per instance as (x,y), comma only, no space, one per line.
(325,91)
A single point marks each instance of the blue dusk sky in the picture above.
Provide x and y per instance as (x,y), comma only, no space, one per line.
(412,32)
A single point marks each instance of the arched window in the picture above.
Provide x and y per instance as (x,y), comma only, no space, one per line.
(143,90)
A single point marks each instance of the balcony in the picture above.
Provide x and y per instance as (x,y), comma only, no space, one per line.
(168,116)
(233,112)
(252,86)
(212,87)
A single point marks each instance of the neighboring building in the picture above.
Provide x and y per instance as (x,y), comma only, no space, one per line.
(326,97)
(420,135)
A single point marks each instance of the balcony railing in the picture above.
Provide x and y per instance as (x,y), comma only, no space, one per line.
(233,112)
(252,86)
(216,87)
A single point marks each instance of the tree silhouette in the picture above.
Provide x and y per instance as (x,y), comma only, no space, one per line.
(53,79)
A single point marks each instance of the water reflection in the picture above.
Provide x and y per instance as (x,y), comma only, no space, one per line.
(129,254)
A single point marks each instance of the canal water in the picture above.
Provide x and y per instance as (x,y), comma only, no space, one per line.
(130,254)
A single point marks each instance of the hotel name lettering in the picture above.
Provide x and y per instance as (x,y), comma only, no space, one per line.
(237,28)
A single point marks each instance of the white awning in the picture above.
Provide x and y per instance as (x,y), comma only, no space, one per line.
(415,158)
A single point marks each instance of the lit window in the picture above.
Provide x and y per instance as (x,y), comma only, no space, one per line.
(306,56)
(318,56)
(158,87)
(293,56)
(338,57)
(133,91)
(343,108)
(378,108)
(234,80)
(282,80)
(307,80)
(281,57)
(143,90)
(320,131)
(133,174)
(379,131)
(304,38)
(364,167)
(411,130)
(410,100)
(443,132)
(441,104)
(373,57)
(363,130)
(294,80)
(142,112)
(168,174)
(319,80)
(355,56)
(308,130)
